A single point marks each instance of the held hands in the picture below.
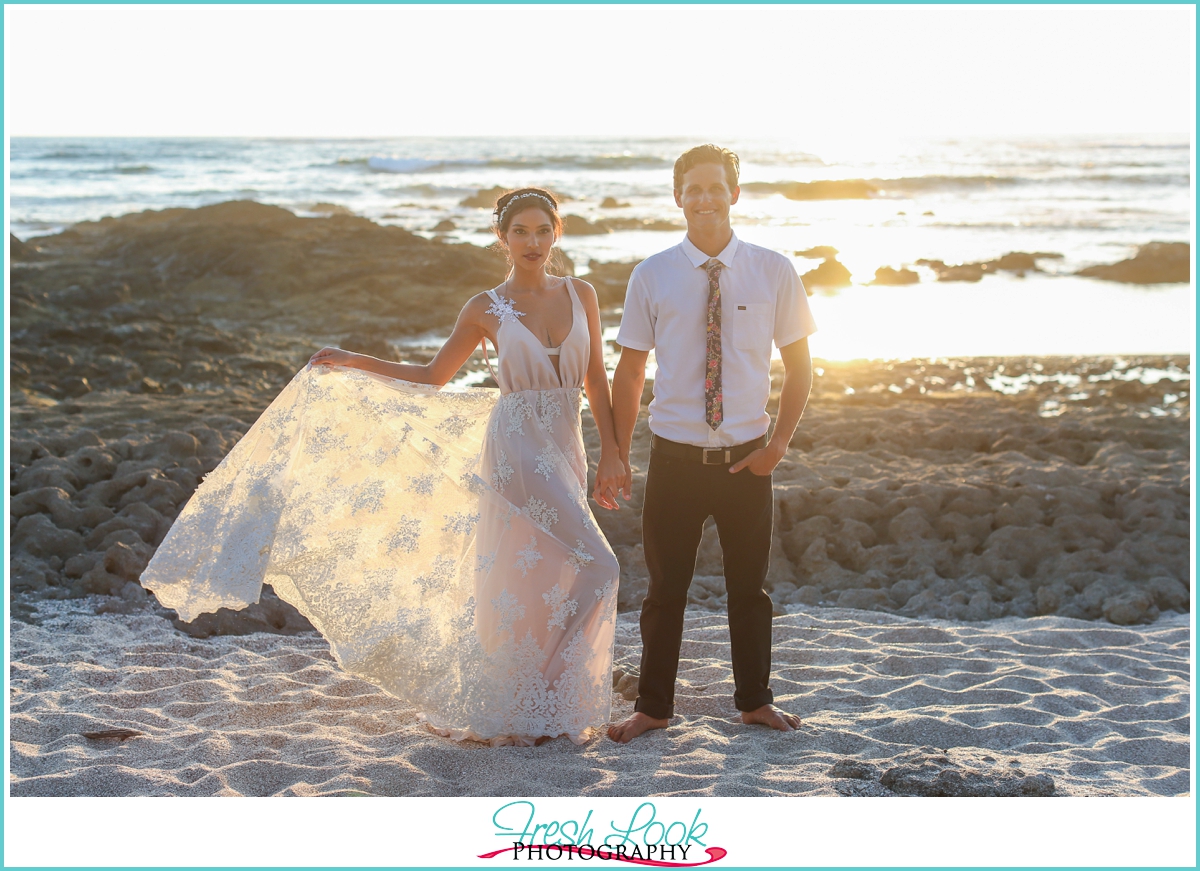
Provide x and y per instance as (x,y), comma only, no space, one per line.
(761,462)
(612,477)
(332,357)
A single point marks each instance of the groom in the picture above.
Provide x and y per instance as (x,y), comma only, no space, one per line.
(710,308)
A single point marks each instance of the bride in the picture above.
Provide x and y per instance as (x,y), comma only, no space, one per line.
(441,540)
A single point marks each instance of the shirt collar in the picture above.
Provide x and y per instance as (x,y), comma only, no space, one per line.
(699,258)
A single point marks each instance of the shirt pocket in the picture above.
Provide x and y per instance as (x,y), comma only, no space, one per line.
(752,326)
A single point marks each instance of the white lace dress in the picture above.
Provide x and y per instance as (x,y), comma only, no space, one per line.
(441,540)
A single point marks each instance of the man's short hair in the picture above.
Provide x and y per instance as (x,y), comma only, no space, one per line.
(707,154)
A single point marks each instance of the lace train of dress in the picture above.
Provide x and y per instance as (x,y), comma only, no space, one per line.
(440,540)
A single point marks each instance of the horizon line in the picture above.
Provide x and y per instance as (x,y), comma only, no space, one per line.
(1183,134)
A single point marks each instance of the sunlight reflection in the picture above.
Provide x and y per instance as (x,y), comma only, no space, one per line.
(1001,316)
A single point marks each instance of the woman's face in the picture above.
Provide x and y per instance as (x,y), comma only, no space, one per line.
(530,237)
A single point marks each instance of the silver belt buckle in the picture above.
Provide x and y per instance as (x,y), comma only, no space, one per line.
(719,451)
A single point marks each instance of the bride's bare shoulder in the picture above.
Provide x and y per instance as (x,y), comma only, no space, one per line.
(587,293)
(582,288)
(477,307)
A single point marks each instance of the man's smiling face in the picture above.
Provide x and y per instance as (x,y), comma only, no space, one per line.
(706,197)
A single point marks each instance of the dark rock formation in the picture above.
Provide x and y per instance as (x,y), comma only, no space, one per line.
(1019,261)
(650,224)
(830,274)
(20,251)
(962,272)
(940,777)
(576,225)
(820,252)
(887,276)
(269,614)
(854,769)
(625,685)
(486,198)
(560,263)
(329,209)
(843,189)
(610,280)
(324,275)
(1015,261)
(1155,263)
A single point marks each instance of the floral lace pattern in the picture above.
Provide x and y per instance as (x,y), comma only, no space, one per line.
(714,412)
(502,308)
(407,536)
(508,610)
(579,558)
(548,409)
(560,607)
(528,557)
(542,515)
(518,410)
(472,584)
(461,523)
(547,458)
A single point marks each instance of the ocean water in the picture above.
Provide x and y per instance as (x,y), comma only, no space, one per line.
(1091,200)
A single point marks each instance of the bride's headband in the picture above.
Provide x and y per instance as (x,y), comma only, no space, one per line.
(524,196)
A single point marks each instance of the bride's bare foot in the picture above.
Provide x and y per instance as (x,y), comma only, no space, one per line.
(769,715)
(630,728)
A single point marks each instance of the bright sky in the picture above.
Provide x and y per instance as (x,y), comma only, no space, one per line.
(611,70)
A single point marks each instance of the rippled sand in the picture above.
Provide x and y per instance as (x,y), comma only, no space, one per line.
(924,705)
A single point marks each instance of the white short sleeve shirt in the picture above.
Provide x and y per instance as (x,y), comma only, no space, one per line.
(666,310)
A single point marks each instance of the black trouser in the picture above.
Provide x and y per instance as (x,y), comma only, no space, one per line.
(680,496)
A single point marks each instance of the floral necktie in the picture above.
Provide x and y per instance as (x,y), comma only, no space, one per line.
(713,409)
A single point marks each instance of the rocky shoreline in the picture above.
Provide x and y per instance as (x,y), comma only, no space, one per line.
(144,346)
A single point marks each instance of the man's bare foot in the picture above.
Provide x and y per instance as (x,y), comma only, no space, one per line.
(769,715)
(630,728)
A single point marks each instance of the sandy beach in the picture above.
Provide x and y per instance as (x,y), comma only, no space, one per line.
(980,565)
(890,705)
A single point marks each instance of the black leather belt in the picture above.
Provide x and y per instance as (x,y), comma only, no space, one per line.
(705,456)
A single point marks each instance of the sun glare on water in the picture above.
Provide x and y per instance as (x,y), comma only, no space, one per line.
(1000,317)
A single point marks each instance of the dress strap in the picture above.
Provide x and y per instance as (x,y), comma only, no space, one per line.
(483,342)
(483,347)
(575,300)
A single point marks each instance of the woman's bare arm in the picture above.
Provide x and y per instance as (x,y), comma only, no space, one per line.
(610,471)
(469,330)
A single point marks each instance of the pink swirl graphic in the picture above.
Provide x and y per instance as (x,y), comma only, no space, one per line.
(715,854)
